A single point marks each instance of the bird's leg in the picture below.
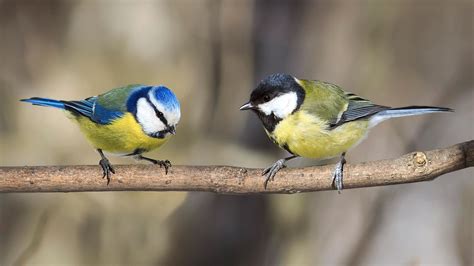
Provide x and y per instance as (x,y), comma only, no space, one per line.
(163,163)
(339,173)
(106,166)
(271,171)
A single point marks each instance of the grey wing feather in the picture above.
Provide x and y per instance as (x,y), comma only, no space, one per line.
(358,110)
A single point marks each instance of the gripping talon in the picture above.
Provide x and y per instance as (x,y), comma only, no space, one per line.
(106,166)
(266,171)
(163,163)
(166,164)
(107,169)
(271,171)
(337,178)
(265,183)
(338,175)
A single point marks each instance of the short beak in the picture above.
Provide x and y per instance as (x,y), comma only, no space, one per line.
(172,130)
(247,106)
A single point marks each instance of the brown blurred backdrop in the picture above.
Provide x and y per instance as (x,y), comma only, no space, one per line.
(212,53)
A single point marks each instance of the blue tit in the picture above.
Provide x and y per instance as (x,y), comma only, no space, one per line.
(125,121)
(317,119)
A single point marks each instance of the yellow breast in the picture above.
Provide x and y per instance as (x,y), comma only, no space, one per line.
(307,136)
(122,136)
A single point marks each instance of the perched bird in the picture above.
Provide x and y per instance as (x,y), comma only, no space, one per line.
(126,121)
(317,119)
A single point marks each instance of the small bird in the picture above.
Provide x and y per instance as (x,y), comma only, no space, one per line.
(125,121)
(317,119)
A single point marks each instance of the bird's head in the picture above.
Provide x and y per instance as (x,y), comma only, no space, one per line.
(275,97)
(157,110)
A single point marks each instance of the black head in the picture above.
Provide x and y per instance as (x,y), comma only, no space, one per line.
(275,97)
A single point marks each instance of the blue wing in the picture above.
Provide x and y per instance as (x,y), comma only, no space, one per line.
(84,107)
(103,115)
(92,109)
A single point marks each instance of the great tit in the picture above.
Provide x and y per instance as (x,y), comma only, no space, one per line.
(125,121)
(317,119)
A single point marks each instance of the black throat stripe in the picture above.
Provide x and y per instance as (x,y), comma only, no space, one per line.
(269,121)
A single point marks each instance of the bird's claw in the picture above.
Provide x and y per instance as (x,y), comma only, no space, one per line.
(338,176)
(271,171)
(107,169)
(164,163)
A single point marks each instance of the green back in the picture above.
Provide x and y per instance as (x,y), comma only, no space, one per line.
(332,104)
(323,99)
(116,99)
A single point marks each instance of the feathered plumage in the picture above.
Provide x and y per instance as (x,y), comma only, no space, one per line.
(128,120)
(317,119)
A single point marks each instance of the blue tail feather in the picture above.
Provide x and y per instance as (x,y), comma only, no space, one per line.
(84,107)
(45,102)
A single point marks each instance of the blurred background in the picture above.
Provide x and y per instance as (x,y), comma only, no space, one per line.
(212,54)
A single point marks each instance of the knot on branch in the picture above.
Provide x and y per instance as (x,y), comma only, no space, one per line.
(420,159)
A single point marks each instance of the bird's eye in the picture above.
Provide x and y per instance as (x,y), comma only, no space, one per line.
(158,113)
(266,98)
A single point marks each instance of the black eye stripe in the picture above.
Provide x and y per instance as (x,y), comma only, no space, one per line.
(158,113)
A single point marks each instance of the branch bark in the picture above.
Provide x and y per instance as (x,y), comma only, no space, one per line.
(412,167)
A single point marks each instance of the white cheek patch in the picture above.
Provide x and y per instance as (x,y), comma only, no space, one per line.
(147,118)
(281,106)
(172,117)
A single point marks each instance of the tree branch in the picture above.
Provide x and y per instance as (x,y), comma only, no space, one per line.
(412,167)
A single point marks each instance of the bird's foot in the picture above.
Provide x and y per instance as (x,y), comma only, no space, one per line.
(107,169)
(271,171)
(163,163)
(338,175)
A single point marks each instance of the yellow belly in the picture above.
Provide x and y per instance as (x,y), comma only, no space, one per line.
(123,136)
(305,135)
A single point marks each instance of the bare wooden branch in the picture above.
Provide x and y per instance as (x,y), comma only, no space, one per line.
(412,167)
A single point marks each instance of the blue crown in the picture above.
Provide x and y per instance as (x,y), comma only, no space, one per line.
(166,97)
(162,94)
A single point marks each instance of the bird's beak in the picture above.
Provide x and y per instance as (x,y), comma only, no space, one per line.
(247,106)
(172,130)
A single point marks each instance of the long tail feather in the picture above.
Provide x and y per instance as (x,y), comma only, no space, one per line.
(45,102)
(406,111)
